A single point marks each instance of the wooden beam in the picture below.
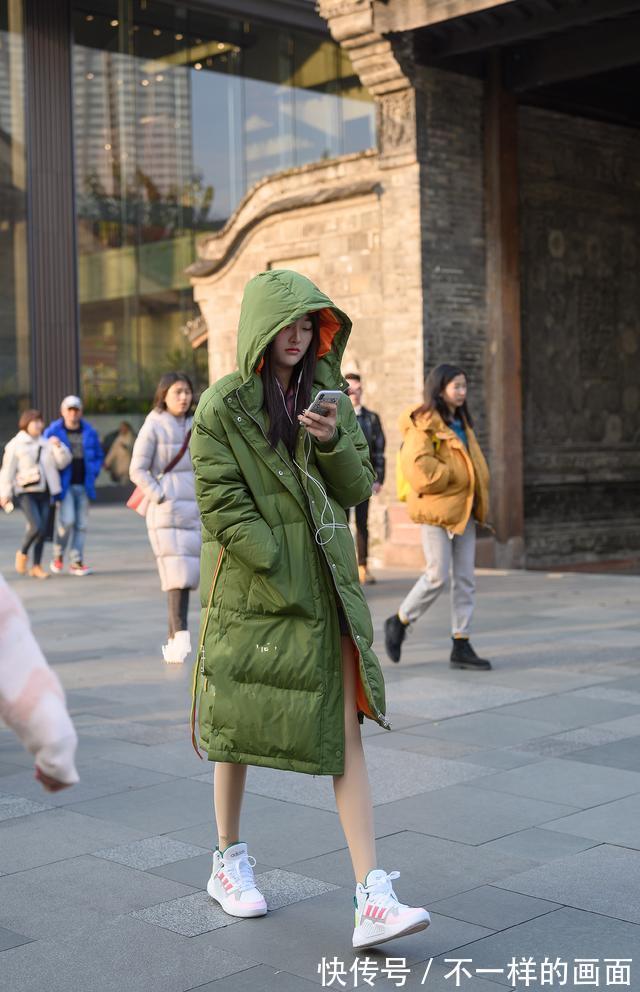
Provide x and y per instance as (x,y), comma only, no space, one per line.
(503,376)
(509,31)
(407,15)
(599,48)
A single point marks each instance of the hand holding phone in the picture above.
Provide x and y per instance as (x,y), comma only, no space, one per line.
(324,400)
(320,418)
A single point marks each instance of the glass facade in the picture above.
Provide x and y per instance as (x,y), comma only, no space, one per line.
(14,310)
(177,114)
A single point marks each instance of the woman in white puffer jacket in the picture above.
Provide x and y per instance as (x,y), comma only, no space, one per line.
(173,520)
(30,475)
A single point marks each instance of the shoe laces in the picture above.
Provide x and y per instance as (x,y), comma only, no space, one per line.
(242,872)
(382,890)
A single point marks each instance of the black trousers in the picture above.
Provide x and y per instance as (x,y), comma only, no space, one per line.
(178,610)
(362,531)
(36,508)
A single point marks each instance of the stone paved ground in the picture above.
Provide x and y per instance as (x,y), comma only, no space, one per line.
(509,801)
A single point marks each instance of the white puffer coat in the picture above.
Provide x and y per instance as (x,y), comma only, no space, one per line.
(173,520)
(22,454)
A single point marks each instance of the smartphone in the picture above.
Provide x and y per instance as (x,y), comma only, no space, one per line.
(323,399)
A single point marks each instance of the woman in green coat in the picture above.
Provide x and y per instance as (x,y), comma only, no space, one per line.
(286,671)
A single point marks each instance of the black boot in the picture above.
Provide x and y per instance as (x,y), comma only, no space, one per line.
(463,656)
(394,634)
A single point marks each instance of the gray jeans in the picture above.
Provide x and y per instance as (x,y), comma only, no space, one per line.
(445,556)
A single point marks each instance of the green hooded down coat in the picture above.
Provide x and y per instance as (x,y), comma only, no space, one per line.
(269,675)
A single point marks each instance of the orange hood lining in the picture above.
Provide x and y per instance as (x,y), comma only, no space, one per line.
(329,327)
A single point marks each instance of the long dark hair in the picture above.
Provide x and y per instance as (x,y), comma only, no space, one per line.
(436,382)
(280,427)
(168,380)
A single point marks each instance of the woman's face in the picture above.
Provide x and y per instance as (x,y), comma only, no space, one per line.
(178,399)
(292,342)
(35,428)
(455,392)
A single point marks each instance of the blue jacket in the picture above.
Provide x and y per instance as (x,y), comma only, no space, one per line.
(93,455)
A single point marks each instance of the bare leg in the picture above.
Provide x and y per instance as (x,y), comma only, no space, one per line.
(353,795)
(228,790)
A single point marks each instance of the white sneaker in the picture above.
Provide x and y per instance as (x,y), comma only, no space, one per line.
(232,883)
(379,915)
(177,648)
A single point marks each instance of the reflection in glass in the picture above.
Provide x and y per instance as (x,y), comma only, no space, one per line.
(177,114)
(14,315)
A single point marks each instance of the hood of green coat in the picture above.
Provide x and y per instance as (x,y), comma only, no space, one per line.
(276,298)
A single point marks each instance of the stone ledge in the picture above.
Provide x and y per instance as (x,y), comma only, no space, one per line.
(307,198)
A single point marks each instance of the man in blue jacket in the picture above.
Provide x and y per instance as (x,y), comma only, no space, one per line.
(78,484)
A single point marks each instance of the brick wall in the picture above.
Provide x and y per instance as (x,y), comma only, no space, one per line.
(453,235)
(580,231)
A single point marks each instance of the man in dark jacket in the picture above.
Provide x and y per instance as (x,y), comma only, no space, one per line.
(372,429)
(78,483)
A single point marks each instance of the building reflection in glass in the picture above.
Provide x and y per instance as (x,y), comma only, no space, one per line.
(177,114)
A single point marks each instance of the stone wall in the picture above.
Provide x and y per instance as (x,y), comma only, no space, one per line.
(580,224)
(453,232)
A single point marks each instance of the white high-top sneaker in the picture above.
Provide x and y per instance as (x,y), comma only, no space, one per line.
(232,883)
(177,648)
(379,914)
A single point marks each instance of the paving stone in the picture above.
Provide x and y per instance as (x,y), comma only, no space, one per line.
(467,815)
(566,934)
(8,768)
(612,823)
(189,915)
(55,899)
(617,754)
(177,758)
(155,809)
(198,913)
(603,880)
(135,733)
(97,778)
(423,745)
(489,730)
(568,742)
(437,701)
(541,844)
(282,939)
(389,779)
(569,710)
(10,939)
(431,868)
(193,871)
(611,693)
(493,908)
(261,977)
(13,806)
(151,852)
(121,954)
(54,835)
(503,758)
(555,779)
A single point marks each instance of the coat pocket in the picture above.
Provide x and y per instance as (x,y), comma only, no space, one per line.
(288,587)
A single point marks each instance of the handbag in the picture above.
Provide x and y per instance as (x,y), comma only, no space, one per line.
(30,476)
(139,501)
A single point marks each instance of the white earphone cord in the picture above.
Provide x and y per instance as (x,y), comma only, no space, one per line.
(332,526)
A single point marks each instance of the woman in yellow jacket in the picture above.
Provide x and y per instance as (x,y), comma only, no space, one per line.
(449,479)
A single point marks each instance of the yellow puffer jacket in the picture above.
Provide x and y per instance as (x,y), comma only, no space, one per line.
(448,482)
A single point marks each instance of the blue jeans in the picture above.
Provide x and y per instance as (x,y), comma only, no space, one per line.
(36,508)
(72,524)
